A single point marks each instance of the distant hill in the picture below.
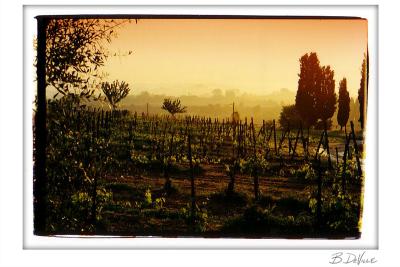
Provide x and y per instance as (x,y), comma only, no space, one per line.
(260,107)
(278,97)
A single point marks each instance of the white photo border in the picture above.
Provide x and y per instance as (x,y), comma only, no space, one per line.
(15,247)
(369,232)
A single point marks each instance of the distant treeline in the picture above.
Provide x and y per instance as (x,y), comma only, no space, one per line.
(219,105)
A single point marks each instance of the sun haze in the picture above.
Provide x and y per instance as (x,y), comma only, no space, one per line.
(255,56)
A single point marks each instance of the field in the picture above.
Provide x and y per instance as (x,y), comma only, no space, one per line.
(117,173)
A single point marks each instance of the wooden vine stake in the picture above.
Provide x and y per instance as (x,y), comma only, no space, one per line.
(305,142)
(337,158)
(319,193)
(94,201)
(319,145)
(274,127)
(295,144)
(325,141)
(346,148)
(192,185)
(232,173)
(356,150)
(327,146)
(168,184)
(255,167)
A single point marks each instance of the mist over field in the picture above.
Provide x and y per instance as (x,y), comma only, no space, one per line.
(218,104)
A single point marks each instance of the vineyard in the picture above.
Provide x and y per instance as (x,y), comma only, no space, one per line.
(118,173)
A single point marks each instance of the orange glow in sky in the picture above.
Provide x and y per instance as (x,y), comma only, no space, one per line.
(256,56)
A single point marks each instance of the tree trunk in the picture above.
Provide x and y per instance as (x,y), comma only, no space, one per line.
(40,179)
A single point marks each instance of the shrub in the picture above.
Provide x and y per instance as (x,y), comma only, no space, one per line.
(233,198)
(77,218)
(198,221)
(258,221)
(341,214)
(351,173)
(305,172)
(292,204)
(148,201)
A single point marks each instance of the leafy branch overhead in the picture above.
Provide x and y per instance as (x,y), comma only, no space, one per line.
(75,49)
(173,106)
(115,92)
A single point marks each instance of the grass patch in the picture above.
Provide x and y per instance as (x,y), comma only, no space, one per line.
(122,191)
(260,222)
(224,203)
(184,169)
(117,187)
(292,205)
(163,214)
(172,190)
(266,201)
(285,205)
(234,198)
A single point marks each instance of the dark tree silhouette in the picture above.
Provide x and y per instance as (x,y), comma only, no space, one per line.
(344,104)
(362,90)
(75,49)
(289,116)
(326,96)
(321,125)
(306,99)
(315,98)
(115,92)
(173,106)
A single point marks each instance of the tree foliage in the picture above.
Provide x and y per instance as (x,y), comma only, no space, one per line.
(115,92)
(326,96)
(306,92)
(75,50)
(289,117)
(173,106)
(344,104)
(362,90)
(315,98)
(321,125)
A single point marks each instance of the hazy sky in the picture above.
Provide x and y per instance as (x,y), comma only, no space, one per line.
(257,56)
